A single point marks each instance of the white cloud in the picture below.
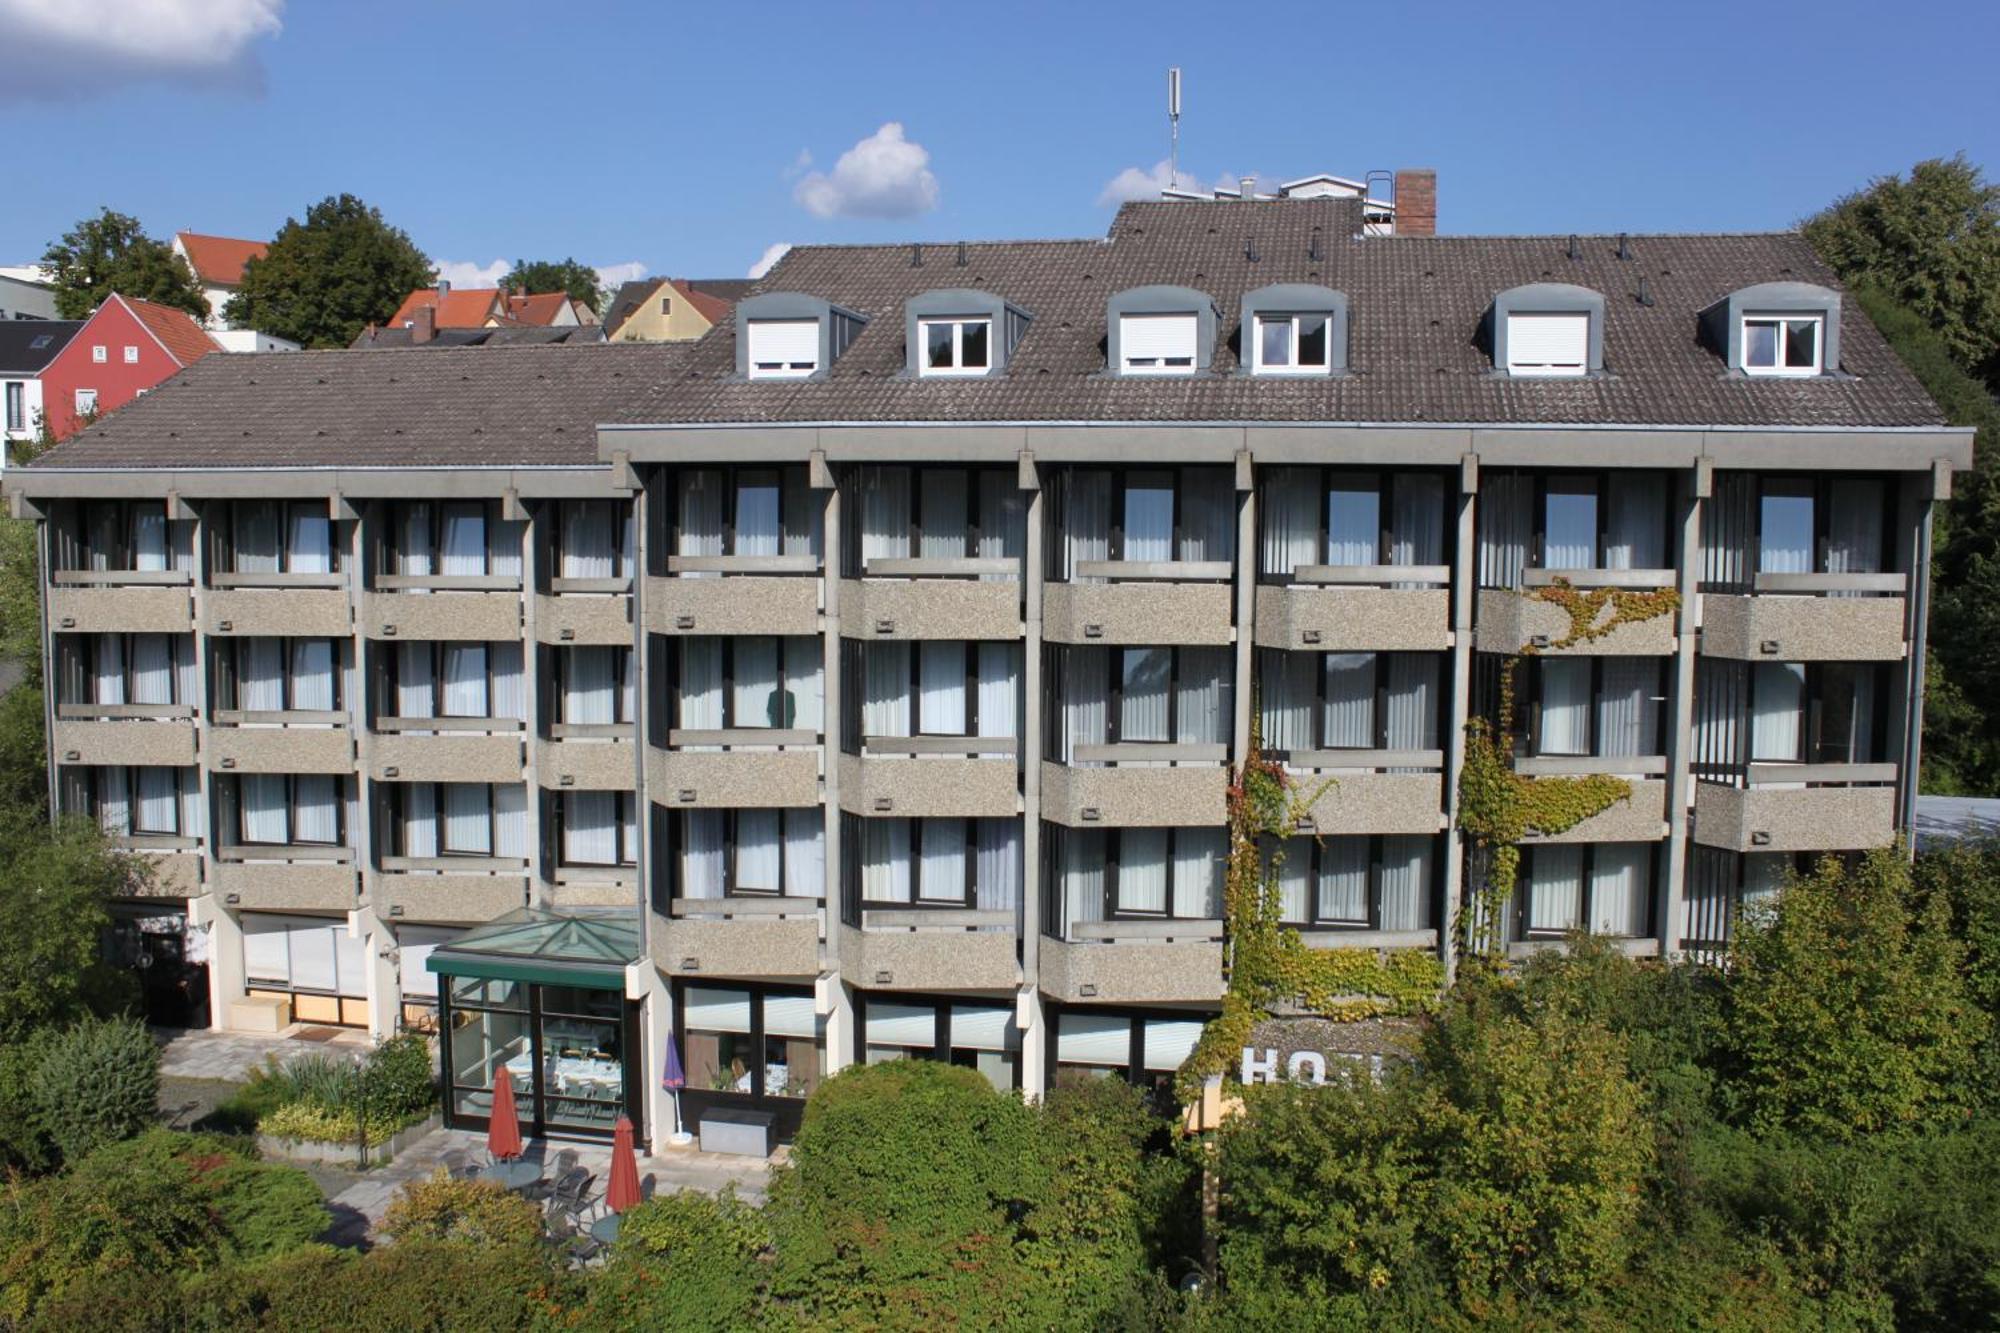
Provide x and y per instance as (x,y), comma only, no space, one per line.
(610,275)
(1140,183)
(772,254)
(464,273)
(66,48)
(883,176)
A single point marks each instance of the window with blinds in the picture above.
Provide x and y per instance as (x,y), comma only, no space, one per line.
(783,348)
(1157,344)
(1548,344)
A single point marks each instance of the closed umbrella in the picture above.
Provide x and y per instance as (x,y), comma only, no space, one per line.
(673,1079)
(623,1191)
(503,1131)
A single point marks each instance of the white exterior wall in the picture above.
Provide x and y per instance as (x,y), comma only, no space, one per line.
(31,411)
(24,298)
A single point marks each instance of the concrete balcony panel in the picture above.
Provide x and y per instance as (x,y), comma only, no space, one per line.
(1353,620)
(1798,819)
(281,749)
(1133,971)
(1134,797)
(1778,628)
(146,741)
(919,785)
(92,610)
(932,957)
(1642,817)
(306,612)
(1375,802)
(777,937)
(736,778)
(441,615)
(297,886)
(446,899)
(593,893)
(736,604)
(588,765)
(446,758)
(583,618)
(929,609)
(1193,613)
(170,874)
(1510,621)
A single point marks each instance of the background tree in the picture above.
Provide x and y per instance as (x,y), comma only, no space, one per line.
(550,275)
(111,252)
(325,279)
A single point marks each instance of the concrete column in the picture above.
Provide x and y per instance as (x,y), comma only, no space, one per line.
(644,983)
(835,1002)
(1917,631)
(1670,901)
(1031,747)
(225,933)
(831,741)
(541,893)
(1246,602)
(642,709)
(384,990)
(225,956)
(1036,1057)
(1464,596)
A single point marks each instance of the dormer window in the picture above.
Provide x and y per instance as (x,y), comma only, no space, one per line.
(1157,344)
(1293,344)
(1158,331)
(1547,345)
(1547,330)
(783,349)
(956,346)
(1782,344)
(1293,328)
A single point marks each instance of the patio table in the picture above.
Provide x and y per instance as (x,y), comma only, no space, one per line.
(515,1175)
(605,1228)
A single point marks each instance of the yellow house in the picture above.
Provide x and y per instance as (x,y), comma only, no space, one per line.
(653,310)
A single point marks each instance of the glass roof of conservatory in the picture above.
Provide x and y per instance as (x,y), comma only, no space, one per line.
(555,948)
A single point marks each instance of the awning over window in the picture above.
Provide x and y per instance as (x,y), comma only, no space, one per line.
(552,948)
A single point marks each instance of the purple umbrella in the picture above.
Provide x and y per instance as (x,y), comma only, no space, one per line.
(673,1078)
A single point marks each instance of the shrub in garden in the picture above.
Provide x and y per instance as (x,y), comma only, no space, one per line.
(685,1261)
(475,1212)
(402,1079)
(93,1083)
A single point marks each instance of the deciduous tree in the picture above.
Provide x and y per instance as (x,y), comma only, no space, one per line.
(326,278)
(578,279)
(111,252)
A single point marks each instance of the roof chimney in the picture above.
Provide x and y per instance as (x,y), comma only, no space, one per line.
(1417,202)
(443,289)
(423,324)
(1248,187)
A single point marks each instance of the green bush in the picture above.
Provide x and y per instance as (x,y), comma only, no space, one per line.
(316,1124)
(437,1286)
(684,1262)
(402,1079)
(95,1082)
(474,1212)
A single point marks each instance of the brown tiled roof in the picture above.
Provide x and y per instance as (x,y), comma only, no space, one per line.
(467,407)
(220,259)
(723,289)
(537,308)
(176,330)
(462,307)
(1414,351)
(711,308)
(630,297)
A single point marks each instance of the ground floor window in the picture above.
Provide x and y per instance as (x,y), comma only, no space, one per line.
(313,962)
(1145,1048)
(749,1047)
(570,1050)
(418,985)
(915,1027)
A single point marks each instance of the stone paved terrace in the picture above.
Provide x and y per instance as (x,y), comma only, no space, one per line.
(196,1053)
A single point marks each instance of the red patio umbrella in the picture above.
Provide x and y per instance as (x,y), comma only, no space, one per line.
(503,1131)
(623,1191)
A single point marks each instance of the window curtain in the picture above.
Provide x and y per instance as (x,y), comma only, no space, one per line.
(1727,523)
(1349,722)
(1506,502)
(157,800)
(800,513)
(943,505)
(805,683)
(317,808)
(941,688)
(1785,526)
(758,514)
(1143,712)
(1003,522)
(1627,716)
(1295,882)
(996,876)
(1198,856)
(1086,519)
(805,854)
(108,670)
(1353,521)
(309,544)
(943,849)
(759,851)
(263,800)
(700,516)
(312,675)
(1142,870)
(1777,712)
(149,537)
(1416,525)
(999,689)
(628,541)
(257,533)
(416,694)
(464,547)
(1412,706)
(413,550)
(1406,882)
(1202,711)
(420,831)
(1854,527)
(187,669)
(589,540)
(1208,514)
(1569,524)
(1343,879)
(1565,720)
(885,860)
(701,685)
(465,680)
(1635,520)
(701,853)
(510,820)
(1555,888)
(510,690)
(1764,876)
(1285,698)
(468,818)
(885,513)
(1288,512)
(1149,516)
(114,799)
(152,669)
(1086,699)
(590,685)
(260,674)
(1082,875)
(1619,888)
(503,554)
(590,828)
(885,698)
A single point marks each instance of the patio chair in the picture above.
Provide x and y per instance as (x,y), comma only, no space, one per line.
(572,1240)
(572,1192)
(458,1164)
(563,1163)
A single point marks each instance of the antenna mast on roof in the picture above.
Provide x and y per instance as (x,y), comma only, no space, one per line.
(1174,127)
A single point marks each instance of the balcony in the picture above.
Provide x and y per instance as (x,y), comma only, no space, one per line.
(143,734)
(754,594)
(588,757)
(304,878)
(1792,619)
(736,777)
(1799,808)
(306,605)
(933,599)
(1189,795)
(121,601)
(738,937)
(1510,621)
(282,749)
(1358,608)
(462,751)
(592,886)
(443,606)
(1641,817)
(1134,962)
(1144,601)
(173,863)
(461,894)
(923,776)
(1372,791)
(930,949)
(585,617)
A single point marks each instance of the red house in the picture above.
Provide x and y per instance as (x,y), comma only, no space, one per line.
(125,348)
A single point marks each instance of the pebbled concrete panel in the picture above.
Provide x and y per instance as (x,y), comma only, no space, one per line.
(301,887)
(591,765)
(1128,973)
(175,875)
(121,610)
(1640,818)
(306,612)
(929,609)
(1508,621)
(1135,797)
(589,618)
(448,899)
(445,758)
(920,786)
(677,778)
(1377,802)
(442,615)
(735,604)
(1804,819)
(930,959)
(281,749)
(745,947)
(156,741)
(1354,620)
(1197,613)
(1802,629)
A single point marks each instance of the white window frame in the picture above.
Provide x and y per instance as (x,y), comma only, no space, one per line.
(1780,319)
(99,353)
(1290,319)
(1542,369)
(1158,365)
(86,401)
(781,370)
(17,404)
(957,368)
(131,354)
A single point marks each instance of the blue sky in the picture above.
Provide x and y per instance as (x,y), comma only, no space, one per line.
(690,138)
